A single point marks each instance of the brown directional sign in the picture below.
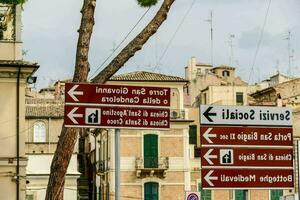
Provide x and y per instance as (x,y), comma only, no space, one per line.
(121,117)
(247,178)
(116,106)
(246,157)
(116,95)
(251,136)
(246,147)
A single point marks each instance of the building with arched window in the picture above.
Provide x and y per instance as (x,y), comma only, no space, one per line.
(155,164)
(44,120)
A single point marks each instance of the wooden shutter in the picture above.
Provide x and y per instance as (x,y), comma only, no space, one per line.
(151,191)
(193,134)
(239,195)
(150,151)
(276,194)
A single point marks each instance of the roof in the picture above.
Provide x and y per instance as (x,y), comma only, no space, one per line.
(14,63)
(44,108)
(279,74)
(260,92)
(274,87)
(224,67)
(203,64)
(147,76)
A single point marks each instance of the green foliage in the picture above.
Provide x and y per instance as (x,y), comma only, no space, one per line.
(145,3)
(13,1)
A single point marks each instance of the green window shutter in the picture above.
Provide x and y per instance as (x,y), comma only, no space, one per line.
(151,191)
(150,151)
(205,194)
(276,194)
(29,196)
(239,98)
(193,134)
(239,195)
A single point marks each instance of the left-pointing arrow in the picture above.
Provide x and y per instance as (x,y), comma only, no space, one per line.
(208,178)
(208,156)
(73,93)
(72,115)
(207,114)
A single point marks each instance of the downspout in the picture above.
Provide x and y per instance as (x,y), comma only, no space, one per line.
(18,132)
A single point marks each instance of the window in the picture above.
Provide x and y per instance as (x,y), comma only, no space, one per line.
(151,191)
(225,73)
(39,132)
(205,194)
(241,195)
(193,134)
(276,194)
(239,98)
(204,100)
(29,196)
(150,151)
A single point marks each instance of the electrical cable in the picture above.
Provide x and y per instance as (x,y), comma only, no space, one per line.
(173,36)
(259,41)
(118,46)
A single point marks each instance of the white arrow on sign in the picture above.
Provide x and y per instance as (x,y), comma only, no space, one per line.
(72,115)
(208,156)
(208,178)
(207,136)
(72,92)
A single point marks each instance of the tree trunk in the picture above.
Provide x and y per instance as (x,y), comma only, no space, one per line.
(136,44)
(69,136)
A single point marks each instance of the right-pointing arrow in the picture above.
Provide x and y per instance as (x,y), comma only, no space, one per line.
(208,156)
(207,114)
(208,178)
(207,136)
(72,115)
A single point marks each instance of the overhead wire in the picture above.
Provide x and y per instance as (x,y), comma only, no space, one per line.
(260,40)
(174,34)
(118,46)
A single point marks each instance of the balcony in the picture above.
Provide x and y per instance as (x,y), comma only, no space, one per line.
(151,166)
(178,114)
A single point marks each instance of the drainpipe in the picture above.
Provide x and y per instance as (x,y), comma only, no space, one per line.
(18,132)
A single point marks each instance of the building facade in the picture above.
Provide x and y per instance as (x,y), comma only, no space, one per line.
(155,164)
(43,121)
(14,72)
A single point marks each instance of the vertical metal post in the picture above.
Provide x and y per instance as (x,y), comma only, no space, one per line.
(298,174)
(117,164)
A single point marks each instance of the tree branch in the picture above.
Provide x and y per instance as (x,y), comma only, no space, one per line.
(136,44)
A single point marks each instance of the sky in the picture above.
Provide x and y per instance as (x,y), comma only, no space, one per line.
(50,36)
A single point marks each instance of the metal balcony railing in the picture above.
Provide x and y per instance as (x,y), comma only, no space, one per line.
(152,163)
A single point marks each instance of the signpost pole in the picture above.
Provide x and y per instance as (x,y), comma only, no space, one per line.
(117,164)
(297,165)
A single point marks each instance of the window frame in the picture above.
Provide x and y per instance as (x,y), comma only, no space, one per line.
(239,95)
(39,132)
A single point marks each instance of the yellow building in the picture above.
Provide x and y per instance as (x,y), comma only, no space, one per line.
(43,122)
(220,86)
(13,75)
(154,163)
